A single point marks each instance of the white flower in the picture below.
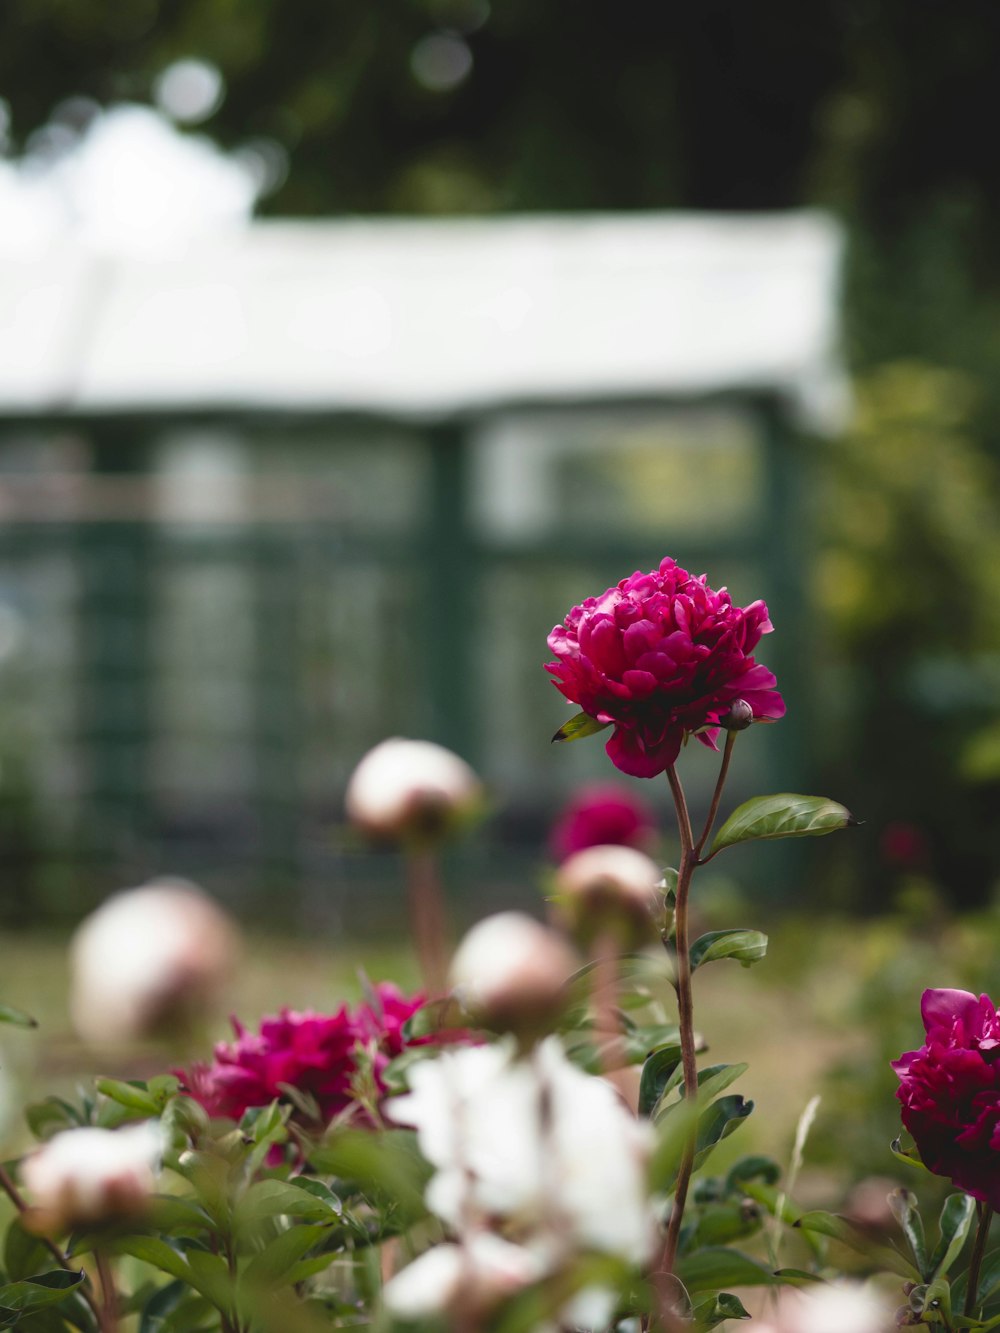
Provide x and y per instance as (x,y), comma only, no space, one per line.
(538,1143)
(85,1176)
(403,789)
(473,1277)
(511,972)
(147,960)
(830,1308)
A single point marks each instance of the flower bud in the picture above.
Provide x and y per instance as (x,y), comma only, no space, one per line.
(149,961)
(510,973)
(610,891)
(84,1177)
(738,717)
(466,1281)
(411,791)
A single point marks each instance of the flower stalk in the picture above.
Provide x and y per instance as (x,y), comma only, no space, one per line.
(985,1213)
(690,860)
(428,920)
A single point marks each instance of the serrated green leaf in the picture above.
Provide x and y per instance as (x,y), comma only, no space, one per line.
(744,946)
(578,726)
(859,1240)
(16,1017)
(784,815)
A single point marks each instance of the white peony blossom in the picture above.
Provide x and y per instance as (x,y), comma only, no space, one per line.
(147,960)
(833,1308)
(542,1145)
(85,1176)
(474,1276)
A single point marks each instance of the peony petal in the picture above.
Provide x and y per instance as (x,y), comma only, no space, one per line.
(948,1008)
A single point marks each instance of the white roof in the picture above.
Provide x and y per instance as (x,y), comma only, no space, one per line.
(416,317)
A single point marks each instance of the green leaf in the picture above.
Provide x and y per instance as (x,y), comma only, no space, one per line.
(44,1289)
(714,1309)
(859,1240)
(157,1253)
(210,1275)
(904,1209)
(582,724)
(745,946)
(23,1253)
(754,1167)
(16,1017)
(389,1163)
(656,1073)
(162,1303)
(905,1150)
(278,1198)
(953,1224)
(715,1267)
(133,1096)
(720,1223)
(275,1261)
(720,1120)
(51,1116)
(784,815)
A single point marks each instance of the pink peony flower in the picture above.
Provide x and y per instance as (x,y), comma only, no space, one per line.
(660,656)
(315,1053)
(950,1091)
(600,815)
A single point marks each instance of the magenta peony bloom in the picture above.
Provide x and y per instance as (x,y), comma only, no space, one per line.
(602,815)
(316,1053)
(950,1091)
(658,657)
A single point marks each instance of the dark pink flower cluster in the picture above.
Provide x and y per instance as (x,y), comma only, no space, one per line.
(314,1053)
(600,815)
(659,656)
(950,1091)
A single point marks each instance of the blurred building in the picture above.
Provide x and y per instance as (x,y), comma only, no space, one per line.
(275,493)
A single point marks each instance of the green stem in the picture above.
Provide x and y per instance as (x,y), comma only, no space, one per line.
(976,1263)
(685,1015)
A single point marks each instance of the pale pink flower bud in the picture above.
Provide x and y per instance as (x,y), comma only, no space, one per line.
(610,891)
(149,960)
(84,1177)
(411,790)
(510,973)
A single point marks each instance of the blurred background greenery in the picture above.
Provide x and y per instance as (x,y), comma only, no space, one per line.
(877,110)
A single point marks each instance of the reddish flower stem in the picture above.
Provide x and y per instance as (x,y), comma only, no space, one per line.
(604,993)
(713,809)
(685,1014)
(428,923)
(690,860)
(985,1213)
